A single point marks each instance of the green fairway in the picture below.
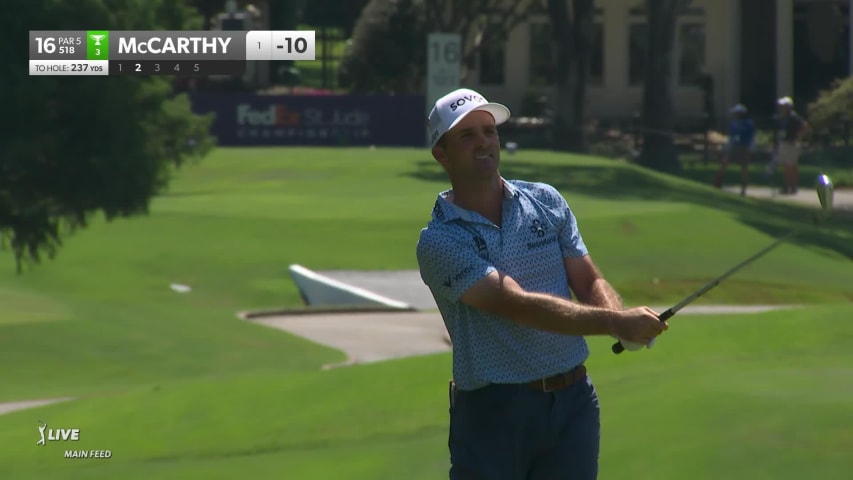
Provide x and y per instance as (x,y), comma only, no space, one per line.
(747,396)
(176,386)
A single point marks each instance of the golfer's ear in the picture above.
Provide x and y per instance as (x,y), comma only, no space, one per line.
(439,154)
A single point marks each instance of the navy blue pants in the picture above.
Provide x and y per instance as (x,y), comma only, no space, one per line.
(512,432)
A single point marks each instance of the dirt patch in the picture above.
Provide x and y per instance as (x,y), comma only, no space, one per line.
(368,337)
(9,407)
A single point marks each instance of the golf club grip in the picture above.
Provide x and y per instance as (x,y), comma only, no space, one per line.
(618,348)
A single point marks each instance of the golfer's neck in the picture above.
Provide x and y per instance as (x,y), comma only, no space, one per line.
(485,198)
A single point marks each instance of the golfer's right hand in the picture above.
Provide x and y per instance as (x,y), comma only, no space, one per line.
(637,325)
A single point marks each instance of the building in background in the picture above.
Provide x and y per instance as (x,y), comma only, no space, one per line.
(753,50)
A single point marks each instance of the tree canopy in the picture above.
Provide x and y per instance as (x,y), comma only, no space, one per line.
(76,146)
(387,52)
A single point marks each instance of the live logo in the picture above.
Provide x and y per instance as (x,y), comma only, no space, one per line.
(54,434)
(88,454)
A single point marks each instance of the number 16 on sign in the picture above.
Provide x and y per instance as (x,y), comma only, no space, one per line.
(443,59)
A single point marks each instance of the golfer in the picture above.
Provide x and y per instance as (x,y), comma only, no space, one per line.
(502,259)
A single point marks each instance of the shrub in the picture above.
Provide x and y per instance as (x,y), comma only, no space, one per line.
(830,114)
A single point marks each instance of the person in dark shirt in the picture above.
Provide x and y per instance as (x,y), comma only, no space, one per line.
(739,147)
(790,128)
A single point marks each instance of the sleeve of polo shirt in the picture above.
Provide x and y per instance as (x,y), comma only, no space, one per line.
(569,236)
(449,266)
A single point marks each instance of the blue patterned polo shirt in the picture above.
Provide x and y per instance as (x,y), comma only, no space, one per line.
(459,247)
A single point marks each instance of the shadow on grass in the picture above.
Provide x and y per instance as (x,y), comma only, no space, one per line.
(837,162)
(181,193)
(630,183)
(705,175)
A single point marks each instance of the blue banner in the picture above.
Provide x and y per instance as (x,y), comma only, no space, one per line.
(248,119)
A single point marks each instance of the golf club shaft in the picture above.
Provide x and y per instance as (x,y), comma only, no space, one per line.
(619,348)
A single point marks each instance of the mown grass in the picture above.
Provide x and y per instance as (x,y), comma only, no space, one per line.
(177,387)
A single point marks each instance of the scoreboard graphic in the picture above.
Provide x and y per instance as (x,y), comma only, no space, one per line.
(179,53)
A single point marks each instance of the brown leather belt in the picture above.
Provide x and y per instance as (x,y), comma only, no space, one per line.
(559,381)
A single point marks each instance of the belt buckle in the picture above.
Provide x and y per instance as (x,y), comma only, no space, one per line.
(545,385)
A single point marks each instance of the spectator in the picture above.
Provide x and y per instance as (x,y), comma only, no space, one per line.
(739,147)
(788,135)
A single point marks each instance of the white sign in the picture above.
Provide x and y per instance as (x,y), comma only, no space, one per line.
(444,52)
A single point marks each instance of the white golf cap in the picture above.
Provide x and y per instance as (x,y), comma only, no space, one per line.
(453,107)
(739,108)
(785,101)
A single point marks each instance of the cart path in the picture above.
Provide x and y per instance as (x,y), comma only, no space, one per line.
(842,199)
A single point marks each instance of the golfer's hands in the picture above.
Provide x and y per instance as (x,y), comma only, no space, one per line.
(637,326)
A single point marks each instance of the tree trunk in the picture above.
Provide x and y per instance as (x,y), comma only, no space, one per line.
(658,118)
(572,38)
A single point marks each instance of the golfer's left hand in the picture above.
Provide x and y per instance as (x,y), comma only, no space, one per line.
(632,347)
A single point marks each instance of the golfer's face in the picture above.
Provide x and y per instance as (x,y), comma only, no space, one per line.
(472,148)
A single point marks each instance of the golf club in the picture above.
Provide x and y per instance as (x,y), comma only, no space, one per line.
(824,195)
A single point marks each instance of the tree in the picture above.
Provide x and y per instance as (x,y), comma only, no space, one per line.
(388,49)
(76,146)
(388,46)
(658,116)
(830,115)
(334,13)
(572,39)
(286,14)
(478,22)
(208,9)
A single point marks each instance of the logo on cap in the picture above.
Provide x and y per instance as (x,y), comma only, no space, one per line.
(467,98)
(449,109)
